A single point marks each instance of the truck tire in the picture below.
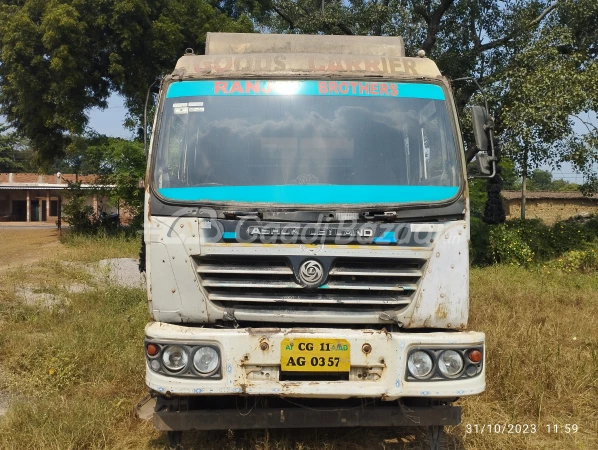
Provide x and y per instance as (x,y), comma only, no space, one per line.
(175,439)
(435,436)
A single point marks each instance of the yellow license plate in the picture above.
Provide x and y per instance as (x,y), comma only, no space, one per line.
(315,355)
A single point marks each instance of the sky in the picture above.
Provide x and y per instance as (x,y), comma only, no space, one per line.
(110,122)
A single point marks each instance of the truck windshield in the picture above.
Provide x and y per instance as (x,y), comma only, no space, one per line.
(306,142)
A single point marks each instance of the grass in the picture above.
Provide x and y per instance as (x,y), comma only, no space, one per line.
(77,369)
(18,245)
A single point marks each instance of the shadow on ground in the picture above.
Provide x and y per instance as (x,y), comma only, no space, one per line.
(311,439)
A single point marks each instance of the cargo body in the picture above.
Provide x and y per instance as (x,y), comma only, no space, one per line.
(306,232)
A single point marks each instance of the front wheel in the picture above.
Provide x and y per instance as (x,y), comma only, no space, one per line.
(175,439)
(435,436)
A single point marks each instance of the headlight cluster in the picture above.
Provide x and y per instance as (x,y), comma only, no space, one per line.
(438,364)
(198,360)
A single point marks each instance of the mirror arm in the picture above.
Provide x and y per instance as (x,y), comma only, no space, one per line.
(478,86)
(490,127)
(470,154)
(493,174)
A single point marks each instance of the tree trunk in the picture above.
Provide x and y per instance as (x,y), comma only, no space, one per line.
(523,185)
(524,178)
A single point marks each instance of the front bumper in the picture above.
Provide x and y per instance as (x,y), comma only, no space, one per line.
(247,369)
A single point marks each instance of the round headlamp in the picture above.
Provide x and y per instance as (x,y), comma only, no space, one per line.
(206,360)
(420,364)
(450,363)
(174,357)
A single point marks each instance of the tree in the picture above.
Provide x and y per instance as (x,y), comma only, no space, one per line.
(123,166)
(551,82)
(59,58)
(119,163)
(510,178)
(12,150)
(563,185)
(8,141)
(76,212)
(540,180)
(465,37)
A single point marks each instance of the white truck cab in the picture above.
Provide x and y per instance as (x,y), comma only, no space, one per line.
(306,232)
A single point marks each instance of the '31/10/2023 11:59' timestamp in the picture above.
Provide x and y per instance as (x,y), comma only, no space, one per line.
(520,428)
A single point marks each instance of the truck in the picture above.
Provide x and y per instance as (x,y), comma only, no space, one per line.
(306,232)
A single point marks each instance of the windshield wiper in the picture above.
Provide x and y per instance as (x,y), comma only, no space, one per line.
(379,215)
(242,214)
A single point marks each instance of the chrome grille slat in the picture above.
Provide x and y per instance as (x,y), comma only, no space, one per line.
(257,269)
(371,287)
(380,273)
(268,282)
(304,300)
(252,284)
(293,285)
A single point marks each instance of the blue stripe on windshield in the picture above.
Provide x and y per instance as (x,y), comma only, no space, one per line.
(313,194)
(301,87)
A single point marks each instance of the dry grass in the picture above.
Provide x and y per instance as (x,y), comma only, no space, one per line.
(78,369)
(542,333)
(23,244)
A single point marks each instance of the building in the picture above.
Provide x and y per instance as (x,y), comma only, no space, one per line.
(549,206)
(29,197)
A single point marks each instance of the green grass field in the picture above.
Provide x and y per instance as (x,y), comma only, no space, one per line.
(76,369)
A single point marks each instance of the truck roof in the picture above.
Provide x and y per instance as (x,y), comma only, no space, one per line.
(254,55)
(235,43)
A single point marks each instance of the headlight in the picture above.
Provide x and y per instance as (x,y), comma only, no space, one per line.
(206,360)
(420,364)
(174,357)
(450,363)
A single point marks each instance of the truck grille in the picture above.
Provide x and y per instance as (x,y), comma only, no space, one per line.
(353,283)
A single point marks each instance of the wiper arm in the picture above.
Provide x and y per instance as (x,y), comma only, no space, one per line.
(242,214)
(379,215)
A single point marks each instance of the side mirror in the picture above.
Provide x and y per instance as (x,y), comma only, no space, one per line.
(482,130)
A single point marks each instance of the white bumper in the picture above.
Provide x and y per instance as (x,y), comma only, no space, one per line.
(249,370)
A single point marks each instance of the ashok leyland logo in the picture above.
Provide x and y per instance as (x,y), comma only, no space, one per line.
(311,273)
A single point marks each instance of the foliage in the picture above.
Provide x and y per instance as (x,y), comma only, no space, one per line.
(551,84)
(76,212)
(510,178)
(120,163)
(123,166)
(564,185)
(477,196)
(479,242)
(522,242)
(83,219)
(12,151)
(59,58)
(541,180)
(78,157)
(507,246)
(465,37)
(577,261)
